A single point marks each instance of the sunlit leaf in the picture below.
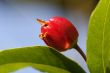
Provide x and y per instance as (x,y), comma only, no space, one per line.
(98,42)
(39,55)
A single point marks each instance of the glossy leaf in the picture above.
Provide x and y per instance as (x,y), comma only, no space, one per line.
(98,42)
(39,55)
(13,67)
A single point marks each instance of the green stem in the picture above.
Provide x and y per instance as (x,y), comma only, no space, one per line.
(80,51)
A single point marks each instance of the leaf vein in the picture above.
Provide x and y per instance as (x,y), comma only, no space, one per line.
(103,36)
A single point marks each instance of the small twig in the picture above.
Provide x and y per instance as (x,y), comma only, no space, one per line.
(80,51)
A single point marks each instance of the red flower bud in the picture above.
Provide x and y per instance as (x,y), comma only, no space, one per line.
(59,33)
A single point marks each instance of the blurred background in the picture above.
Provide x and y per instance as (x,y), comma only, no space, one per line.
(18,26)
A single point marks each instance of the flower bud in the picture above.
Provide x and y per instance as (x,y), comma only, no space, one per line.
(59,33)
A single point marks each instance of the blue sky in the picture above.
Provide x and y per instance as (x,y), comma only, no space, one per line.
(27,70)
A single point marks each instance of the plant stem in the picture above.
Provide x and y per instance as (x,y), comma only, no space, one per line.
(80,51)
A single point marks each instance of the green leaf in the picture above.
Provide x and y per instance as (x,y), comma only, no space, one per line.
(39,55)
(98,42)
(13,67)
